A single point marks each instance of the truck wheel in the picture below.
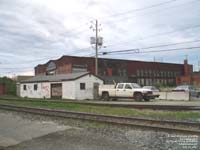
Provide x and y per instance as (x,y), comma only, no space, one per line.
(138,96)
(105,96)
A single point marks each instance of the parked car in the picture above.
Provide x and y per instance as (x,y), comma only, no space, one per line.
(153,88)
(193,91)
(125,90)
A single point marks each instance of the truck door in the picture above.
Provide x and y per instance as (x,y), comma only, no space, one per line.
(120,90)
(128,91)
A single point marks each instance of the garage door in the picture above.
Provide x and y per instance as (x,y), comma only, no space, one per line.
(56,90)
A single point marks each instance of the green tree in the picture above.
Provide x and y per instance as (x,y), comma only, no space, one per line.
(10,85)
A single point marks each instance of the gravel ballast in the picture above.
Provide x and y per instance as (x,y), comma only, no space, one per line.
(93,136)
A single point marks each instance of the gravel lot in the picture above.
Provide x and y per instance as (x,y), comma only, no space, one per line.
(78,135)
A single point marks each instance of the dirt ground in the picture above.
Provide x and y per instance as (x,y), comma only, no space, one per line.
(20,131)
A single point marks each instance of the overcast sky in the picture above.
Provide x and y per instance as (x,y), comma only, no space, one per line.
(35,31)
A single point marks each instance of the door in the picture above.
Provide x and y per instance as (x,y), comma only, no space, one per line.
(128,90)
(56,90)
(124,90)
(120,90)
(95,90)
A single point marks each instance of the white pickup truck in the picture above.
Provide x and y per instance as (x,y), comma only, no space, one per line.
(125,90)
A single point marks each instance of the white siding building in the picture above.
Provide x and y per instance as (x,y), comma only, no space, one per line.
(69,86)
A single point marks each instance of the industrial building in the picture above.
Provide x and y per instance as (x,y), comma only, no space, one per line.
(82,85)
(144,73)
(189,77)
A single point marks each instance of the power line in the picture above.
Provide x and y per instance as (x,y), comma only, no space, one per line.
(152,51)
(153,12)
(159,34)
(156,46)
(136,49)
(141,9)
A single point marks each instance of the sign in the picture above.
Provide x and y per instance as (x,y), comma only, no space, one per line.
(51,66)
(79,68)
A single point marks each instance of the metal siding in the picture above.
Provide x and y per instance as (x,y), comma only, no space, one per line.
(69,90)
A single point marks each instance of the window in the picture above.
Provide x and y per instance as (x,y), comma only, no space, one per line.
(24,87)
(157,73)
(120,72)
(128,86)
(154,73)
(168,74)
(138,72)
(120,86)
(162,74)
(124,72)
(150,72)
(35,87)
(146,72)
(135,85)
(138,81)
(82,86)
(142,81)
(141,73)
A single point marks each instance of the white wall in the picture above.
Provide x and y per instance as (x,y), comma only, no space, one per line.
(89,81)
(68,90)
(174,96)
(43,90)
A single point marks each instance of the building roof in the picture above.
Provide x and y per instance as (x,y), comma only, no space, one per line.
(22,78)
(56,78)
(109,59)
(196,73)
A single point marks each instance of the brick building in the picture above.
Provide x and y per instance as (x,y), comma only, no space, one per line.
(2,89)
(188,78)
(144,73)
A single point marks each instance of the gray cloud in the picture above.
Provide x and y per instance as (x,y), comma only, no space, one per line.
(32,30)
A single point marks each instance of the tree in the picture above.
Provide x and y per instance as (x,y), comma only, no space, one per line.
(9,84)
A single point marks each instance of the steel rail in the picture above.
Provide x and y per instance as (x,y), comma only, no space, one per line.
(136,106)
(162,125)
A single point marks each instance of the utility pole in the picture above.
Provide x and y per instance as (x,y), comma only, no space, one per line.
(96,41)
(186,57)
(154,59)
(96,48)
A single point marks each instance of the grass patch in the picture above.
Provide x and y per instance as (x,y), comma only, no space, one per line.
(109,110)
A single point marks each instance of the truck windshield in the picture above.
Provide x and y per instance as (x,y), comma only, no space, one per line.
(134,85)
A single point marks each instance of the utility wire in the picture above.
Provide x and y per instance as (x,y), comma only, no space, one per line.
(140,9)
(158,34)
(151,51)
(153,12)
(156,46)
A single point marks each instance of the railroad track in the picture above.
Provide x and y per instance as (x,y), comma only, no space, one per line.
(158,125)
(136,106)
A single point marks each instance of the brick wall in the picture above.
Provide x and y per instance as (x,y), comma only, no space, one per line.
(165,72)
